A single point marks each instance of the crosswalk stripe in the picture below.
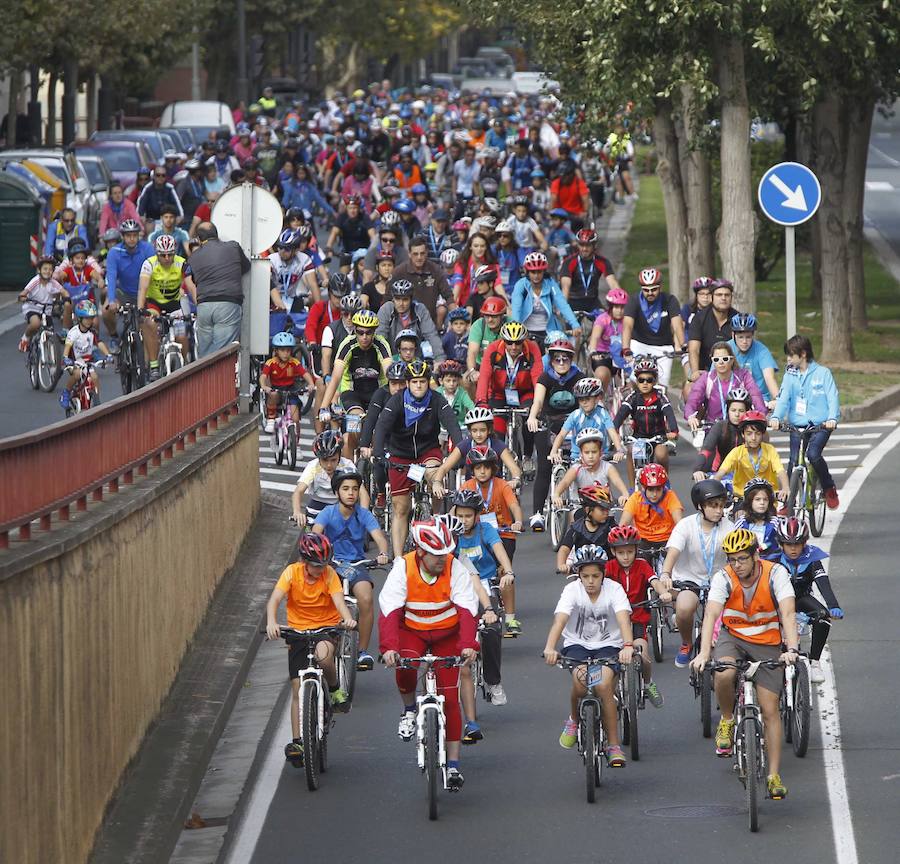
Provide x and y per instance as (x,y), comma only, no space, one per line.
(276,487)
(281,472)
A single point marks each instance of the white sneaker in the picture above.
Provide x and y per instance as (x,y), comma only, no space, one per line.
(698,437)
(407,728)
(270,426)
(537,522)
(816,675)
(496,694)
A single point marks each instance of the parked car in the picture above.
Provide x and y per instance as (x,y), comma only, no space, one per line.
(123,158)
(154,141)
(197,113)
(202,133)
(98,174)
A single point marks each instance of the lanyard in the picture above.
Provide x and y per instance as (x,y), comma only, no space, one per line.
(757,463)
(489,496)
(512,372)
(722,395)
(585,280)
(438,247)
(708,551)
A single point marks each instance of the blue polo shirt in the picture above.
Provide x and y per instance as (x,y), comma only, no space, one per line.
(348,536)
(477,549)
(756,360)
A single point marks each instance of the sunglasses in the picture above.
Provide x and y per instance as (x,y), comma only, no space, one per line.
(165,254)
(646,380)
(388,240)
(560,358)
(650,289)
(721,359)
(738,559)
(508,342)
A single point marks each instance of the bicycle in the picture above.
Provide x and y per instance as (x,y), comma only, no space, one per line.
(286,433)
(806,492)
(586,325)
(630,699)
(701,682)
(421,503)
(170,357)
(642,451)
(515,439)
(750,762)
(302,353)
(84,395)
(662,620)
(499,609)
(43,360)
(431,726)
(558,517)
(795,703)
(132,363)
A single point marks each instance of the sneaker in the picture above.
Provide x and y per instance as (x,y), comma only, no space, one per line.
(293,751)
(833,502)
(455,779)
(816,675)
(496,694)
(407,728)
(513,628)
(683,657)
(365,661)
(777,790)
(569,736)
(537,522)
(65,398)
(340,701)
(269,428)
(723,737)
(697,438)
(615,757)
(651,692)
(154,374)
(23,344)
(528,466)
(472,733)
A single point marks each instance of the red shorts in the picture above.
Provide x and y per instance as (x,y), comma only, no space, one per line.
(400,481)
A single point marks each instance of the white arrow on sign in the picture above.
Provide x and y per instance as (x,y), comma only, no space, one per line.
(793,200)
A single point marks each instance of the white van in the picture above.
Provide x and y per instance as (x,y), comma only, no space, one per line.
(199,113)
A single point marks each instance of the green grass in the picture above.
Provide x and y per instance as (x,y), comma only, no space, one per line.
(878,344)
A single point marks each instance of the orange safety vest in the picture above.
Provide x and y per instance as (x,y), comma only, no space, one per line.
(758,622)
(428,607)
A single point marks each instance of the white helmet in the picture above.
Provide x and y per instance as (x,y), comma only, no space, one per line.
(478,415)
(589,434)
(505,227)
(449,257)
(432,535)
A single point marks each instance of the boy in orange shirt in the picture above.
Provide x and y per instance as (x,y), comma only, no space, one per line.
(282,374)
(653,510)
(503,511)
(315,598)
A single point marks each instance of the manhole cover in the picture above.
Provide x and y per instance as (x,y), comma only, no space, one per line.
(694,811)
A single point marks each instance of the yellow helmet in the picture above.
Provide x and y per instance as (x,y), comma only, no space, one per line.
(513,331)
(739,540)
(366,319)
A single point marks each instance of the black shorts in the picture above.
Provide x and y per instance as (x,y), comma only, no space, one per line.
(638,631)
(601,360)
(352,399)
(298,655)
(168,308)
(647,549)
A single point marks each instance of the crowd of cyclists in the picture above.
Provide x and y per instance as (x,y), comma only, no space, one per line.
(438,294)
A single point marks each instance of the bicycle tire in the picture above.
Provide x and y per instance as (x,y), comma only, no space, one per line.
(787,721)
(817,506)
(706,686)
(656,635)
(31,365)
(323,750)
(173,361)
(753,772)
(292,447)
(589,745)
(307,397)
(800,721)
(278,445)
(432,762)
(48,361)
(349,656)
(633,679)
(796,487)
(558,516)
(310,733)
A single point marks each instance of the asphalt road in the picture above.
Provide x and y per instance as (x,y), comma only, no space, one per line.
(882,202)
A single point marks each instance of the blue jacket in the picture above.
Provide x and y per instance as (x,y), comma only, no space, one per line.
(123,268)
(55,233)
(523,303)
(304,195)
(816,388)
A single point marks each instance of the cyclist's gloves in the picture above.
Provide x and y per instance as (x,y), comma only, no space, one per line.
(837,612)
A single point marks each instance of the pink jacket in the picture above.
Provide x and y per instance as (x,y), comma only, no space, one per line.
(108,218)
(705,391)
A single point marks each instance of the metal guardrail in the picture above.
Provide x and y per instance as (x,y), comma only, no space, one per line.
(52,469)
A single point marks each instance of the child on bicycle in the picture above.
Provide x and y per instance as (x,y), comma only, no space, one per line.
(754,458)
(590,414)
(593,617)
(82,345)
(606,338)
(590,468)
(448,376)
(636,576)
(724,435)
(758,515)
(654,509)
(803,561)
(456,339)
(42,290)
(280,378)
(480,544)
(560,235)
(315,599)
(347,524)
(316,477)
(590,529)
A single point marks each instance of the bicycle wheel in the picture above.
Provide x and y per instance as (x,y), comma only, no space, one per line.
(558,515)
(706,702)
(432,762)
(48,361)
(31,364)
(310,731)
(348,658)
(173,361)
(656,635)
(796,495)
(279,445)
(589,745)
(816,505)
(633,685)
(753,772)
(292,447)
(802,711)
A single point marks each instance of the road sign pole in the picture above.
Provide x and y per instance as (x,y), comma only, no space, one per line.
(247,222)
(791,279)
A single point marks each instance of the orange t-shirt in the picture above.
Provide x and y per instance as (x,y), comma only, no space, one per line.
(310,605)
(652,526)
(498,501)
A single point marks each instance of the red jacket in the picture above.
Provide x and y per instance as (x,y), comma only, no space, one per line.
(635,582)
(321,314)
(493,378)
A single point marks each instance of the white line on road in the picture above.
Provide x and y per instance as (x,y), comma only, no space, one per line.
(277,487)
(882,155)
(879,186)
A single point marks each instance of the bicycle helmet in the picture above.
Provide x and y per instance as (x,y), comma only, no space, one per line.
(493,306)
(561,346)
(586,236)
(76,245)
(703,283)
(85,309)
(587,387)
(418,188)
(470,498)
(110,235)
(739,540)
(724,283)
(595,495)
(351,303)
(554,336)
(327,444)
(587,435)
(352,199)
(284,340)
(304,232)
(623,535)
(649,276)
(289,238)
(589,554)
(459,314)
(535,262)
(738,394)
(130,226)
(390,221)
(616,297)
(165,244)
(754,485)
(405,205)
(417,369)
(338,284)
(743,322)
(449,257)
(653,474)
(343,474)
(401,288)
(432,536)
(453,522)
(513,331)
(408,335)
(315,548)
(45,259)
(646,366)
(449,367)
(504,227)
(365,319)
(478,415)
(792,529)
(707,490)
(753,418)
(482,456)
(486,273)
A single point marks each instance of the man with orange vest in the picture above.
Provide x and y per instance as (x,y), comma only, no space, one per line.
(428,605)
(756,601)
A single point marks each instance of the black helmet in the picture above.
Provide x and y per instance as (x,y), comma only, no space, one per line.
(705,490)
(396,371)
(327,444)
(76,245)
(470,498)
(340,476)
(338,285)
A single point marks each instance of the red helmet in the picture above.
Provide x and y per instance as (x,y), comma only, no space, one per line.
(493,306)
(793,529)
(653,474)
(586,235)
(535,261)
(432,536)
(563,346)
(649,276)
(753,418)
(623,535)
(315,548)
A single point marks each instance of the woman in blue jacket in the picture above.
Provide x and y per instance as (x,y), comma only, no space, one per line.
(538,301)
(302,192)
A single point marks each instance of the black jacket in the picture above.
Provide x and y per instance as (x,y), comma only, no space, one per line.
(401,442)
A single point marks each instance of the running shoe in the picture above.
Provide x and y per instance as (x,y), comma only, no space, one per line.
(651,691)
(723,737)
(455,779)
(816,675)
(365,661)
(496,694)
(537,523)
(615,757)
(407,727)
(777,790)
(513,628)
(472,733)
(683,657)
(569,736)
(293,752)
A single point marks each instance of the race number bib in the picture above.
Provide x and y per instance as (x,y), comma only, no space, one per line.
(416,473)
(512,397)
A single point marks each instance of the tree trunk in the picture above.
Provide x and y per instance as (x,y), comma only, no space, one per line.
(859,127)
(806,155)
(830,138)
(91,100)
(70,93)
(34,106)
(106,103)
(737,235)
(12,108)
(696,179)
(667,168)
(51,110)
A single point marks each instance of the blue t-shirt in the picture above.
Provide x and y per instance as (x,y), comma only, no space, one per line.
(456,346)
(598,419)
(756,360)
(477,549)
(348,536)
(496,444)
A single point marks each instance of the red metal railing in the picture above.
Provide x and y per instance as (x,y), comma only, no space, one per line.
(51,469)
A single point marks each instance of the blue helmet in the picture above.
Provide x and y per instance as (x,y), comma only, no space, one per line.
(405,205)
(284,340)
(743,322)
(85,309)
(459,314)
(418,187)
(289,239)
(558,211)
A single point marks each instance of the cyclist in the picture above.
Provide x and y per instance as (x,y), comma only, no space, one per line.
(752,355)
(123,273)
(428,604)
(484,331)
(82,281)
(808,396)
(693,554)
(396,381)
(405,314)
(758,515)
(753,629)
(338,331)
(654,509)
(588,467)
(294,283)
(448,376)
(590,529)
(167,219)
(353,227)
(590,414)
(315,598)
(456,339)
(280,378)
(593,617)
(510,256)
(61,231)
(754,458)
(81,346)
(538,301)
(606,337)
(316,477)
(710,326)
(803,561)
(154,196)
(581,272)
(326,311)
(159,290)
(347,524)
(724,435)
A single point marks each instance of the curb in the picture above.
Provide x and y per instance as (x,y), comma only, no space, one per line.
(873,408)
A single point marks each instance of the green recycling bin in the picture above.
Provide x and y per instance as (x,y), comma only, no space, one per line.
(20,221)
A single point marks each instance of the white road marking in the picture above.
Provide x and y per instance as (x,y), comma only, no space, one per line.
(879,186)
(277,487)
(882,155)
(280,472)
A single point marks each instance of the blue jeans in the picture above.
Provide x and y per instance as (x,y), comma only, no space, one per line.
(817,442)
(218,325)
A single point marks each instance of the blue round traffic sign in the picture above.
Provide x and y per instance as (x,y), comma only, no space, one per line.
(789,193)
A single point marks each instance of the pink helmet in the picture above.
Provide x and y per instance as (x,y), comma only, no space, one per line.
(432,536)
(616,297)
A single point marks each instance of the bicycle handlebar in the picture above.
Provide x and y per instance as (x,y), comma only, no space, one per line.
(742,665)
(368,563)
(431,660)
(803,430)
(290,633)
(570,663)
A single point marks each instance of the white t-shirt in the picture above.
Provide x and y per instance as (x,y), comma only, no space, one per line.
(593,625)
(700,555)
(318,481)
(524,232)
(82,343)
(466,175)
(38,293)
(720,587)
